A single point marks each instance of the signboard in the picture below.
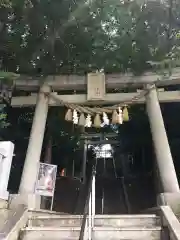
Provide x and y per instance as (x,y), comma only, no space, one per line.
(96,86)
(46,180)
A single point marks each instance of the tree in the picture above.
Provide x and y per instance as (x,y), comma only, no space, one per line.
(51,37)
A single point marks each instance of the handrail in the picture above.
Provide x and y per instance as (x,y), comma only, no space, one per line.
(170,220)
(126,198)
(77,203)
(89,208)
(124,189)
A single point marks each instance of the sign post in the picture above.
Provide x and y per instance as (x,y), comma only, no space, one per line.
(46,180)
(6,156)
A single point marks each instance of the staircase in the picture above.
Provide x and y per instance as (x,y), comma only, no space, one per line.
(53,226)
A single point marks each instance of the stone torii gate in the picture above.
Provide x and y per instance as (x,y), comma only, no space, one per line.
(95,87)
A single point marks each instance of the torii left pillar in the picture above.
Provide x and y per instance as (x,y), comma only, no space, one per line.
(31,166)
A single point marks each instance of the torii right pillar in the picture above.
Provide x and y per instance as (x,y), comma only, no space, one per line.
(170,194)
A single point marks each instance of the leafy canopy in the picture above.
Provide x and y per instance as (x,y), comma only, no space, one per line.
(65,36)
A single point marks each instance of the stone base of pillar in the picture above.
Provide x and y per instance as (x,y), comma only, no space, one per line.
(3,204)
(32,201)
(4,197)
(171,199)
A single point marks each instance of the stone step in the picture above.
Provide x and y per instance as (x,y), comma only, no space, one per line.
(55,221)
(99,233)
(147,221)
(45,213)
(112,233)
(49,233)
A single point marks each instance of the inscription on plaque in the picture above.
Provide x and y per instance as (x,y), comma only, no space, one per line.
(95,86)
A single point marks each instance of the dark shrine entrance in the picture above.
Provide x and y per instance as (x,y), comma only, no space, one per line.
(119,189)
(110,189)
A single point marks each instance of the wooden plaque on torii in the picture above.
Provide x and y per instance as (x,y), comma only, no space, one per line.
(96,86)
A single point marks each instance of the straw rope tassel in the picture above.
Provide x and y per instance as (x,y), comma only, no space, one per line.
(125,114)
(97,121)
(114,117)
(69,115)
(82,120)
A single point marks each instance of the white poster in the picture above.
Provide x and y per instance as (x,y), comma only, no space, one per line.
(46,180)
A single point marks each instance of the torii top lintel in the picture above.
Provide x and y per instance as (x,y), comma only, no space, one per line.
(112,81)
